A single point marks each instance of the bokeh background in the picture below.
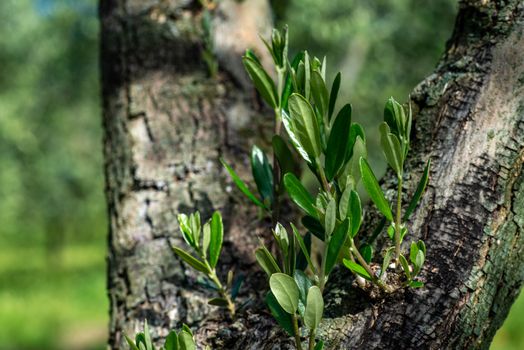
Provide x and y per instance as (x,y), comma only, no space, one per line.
(52,210)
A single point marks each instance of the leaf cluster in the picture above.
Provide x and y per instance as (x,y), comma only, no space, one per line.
(183,340)
(206,243)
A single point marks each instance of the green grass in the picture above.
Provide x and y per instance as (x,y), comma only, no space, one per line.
(511,335)
(53,303)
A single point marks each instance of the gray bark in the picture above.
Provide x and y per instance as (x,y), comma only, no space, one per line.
(469,119)
(166,124)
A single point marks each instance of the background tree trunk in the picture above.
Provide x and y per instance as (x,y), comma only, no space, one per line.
(167,123)
(469,119)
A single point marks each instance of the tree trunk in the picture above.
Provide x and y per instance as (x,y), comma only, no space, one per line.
(167,123)
(469,119)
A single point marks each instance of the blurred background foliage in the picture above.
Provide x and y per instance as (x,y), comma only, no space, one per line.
(52,209)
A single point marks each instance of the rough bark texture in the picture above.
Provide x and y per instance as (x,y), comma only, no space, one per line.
(166,124)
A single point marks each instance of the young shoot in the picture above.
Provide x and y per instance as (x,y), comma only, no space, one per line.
(206,243)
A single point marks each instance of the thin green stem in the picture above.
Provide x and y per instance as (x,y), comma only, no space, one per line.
(275,212)
(398,218)
(322,277)
(325,184)
(221,290)
(311,345)
(297,332)
(366,267)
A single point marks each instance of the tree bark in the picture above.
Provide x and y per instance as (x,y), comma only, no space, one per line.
(469,119)
(167,123)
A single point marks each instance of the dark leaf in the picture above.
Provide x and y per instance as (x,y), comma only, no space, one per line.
(418,192)
(333,95)
(338,143)
(314,226)
(373,189)
(335,245)
(266,261)
(217,236)
(262,173)
(299,194)
(285,158)
(356,268)
(191,261)
(242,186)
(263,82)
(281,316)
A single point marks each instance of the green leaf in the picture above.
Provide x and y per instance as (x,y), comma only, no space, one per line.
(183,223)
(281,316)
(291,79)
(413,250)
(354,212)
(186,329)
(305,125)
(416,284)
(352,167)
(405,266)
(263,82)
(391,231)
(194,224)
(356,268)
(302,262)
(285,290)
(288,125)
(339,143)
(391,148)
(250,54)
(217,236)
(418,192)
(171,341)
(330,217)
(242,186)
(333,95)
(303,283)
(236,286)
(131,344)
(218,302)
(343,204)
(299,194)
(319,345)
(373,189)
(394,116)
(147,337)
(319,92)
(303,247)
(307,75)
(386,261)
(262,173)
(266,261)
(206,239)
(140,340)
(191,261)
(186,341)
(283,154)
(335,245)
(314,226)
(422,247)
(419,261)
(281,237)
(366,251)
(314,308)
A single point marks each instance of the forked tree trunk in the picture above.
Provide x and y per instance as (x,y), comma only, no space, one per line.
(166,124)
